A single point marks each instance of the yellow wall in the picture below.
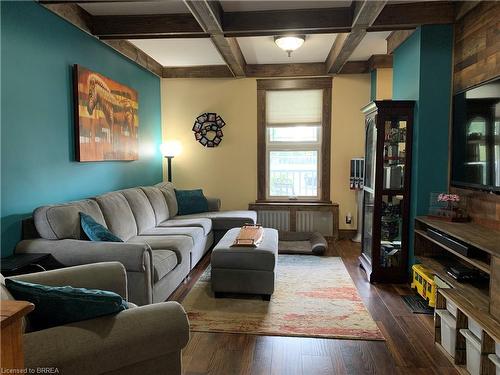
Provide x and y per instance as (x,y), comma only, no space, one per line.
(384,83)
(229,171)
(350,94)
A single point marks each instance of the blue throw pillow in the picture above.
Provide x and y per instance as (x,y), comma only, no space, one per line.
(191,201)
(96,231)
(55,306)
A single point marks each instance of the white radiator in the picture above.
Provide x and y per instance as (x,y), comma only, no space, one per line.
(279,220)
(315,221)
(306,221)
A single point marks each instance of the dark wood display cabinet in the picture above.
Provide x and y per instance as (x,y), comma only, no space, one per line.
(386,192)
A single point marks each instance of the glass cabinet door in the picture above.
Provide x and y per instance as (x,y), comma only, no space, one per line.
(368,207)
(394,160)
(369,186)
(394,154)
(370,153)
(391,231)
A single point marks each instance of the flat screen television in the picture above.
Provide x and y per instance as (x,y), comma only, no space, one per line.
(476,138)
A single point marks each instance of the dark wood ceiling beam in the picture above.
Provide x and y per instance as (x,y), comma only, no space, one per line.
(84,1)
(261,23)
(411,15)
(73,14)
(342,49)
(379,61)
(364,14)
(337,20)
(273,22)
(84,21)
(278,70)
(209,16)
(137,26)
(355,67)
(396,38)
(205,71)
(285,70)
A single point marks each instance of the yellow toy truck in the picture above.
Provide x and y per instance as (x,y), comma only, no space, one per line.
(423,283)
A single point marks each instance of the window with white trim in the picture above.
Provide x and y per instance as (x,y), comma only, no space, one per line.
(293,144)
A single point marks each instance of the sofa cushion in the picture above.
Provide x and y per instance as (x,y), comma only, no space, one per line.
(158,203)
(180,244)
(164,261)
(225,220)
(62,221)
(56,306)
(141,208)
(118,215)
(191,201)
(201,222)
(167,188)
(96,231)
(196,233)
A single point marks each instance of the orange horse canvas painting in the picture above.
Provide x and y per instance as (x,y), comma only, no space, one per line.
(106,118)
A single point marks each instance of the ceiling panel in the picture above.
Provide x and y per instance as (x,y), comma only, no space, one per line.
(181,52)
(251,5)
(131,8)
(263,50)
(374,43)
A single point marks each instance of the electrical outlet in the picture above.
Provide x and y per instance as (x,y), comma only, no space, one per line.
(348,218)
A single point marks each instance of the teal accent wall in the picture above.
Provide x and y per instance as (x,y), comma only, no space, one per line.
(406,69)
(373,85)
(422,71)
(38,50)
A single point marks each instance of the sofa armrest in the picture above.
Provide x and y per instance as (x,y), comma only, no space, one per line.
(134,257)
(108,343)
(213,204)
(109,276)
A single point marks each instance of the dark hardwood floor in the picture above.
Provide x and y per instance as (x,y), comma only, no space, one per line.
(409,347)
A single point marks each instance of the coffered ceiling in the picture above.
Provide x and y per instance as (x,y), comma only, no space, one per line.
(257,5)
(198,38)
(374,43)
(263,50)
(103,8)
(181,52)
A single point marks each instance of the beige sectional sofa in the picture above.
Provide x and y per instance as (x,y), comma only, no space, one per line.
(139,340)
(159,248)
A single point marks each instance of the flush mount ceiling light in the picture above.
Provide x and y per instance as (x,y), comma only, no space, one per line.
(289,43)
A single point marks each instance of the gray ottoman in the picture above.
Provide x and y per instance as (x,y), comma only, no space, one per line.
(249,270)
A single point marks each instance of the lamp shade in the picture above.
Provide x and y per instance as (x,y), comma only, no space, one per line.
(170,149)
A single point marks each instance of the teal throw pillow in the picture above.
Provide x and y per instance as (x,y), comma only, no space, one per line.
(96,231)
(59,305)
(191,201)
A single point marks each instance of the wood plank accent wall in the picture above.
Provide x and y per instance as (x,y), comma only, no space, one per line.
(483,208)
(476,60)
(477,46)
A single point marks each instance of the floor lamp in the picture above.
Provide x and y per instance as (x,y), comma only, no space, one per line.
(169,150)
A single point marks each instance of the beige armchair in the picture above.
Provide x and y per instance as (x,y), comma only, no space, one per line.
(140,340)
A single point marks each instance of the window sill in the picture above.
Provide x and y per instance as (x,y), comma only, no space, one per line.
(294,203)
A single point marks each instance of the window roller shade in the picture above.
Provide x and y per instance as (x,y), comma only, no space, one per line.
(303,107)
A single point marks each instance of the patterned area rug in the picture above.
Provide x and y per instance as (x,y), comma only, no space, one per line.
(314,297)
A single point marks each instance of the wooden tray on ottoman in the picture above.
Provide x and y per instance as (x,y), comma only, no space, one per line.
(249,236)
